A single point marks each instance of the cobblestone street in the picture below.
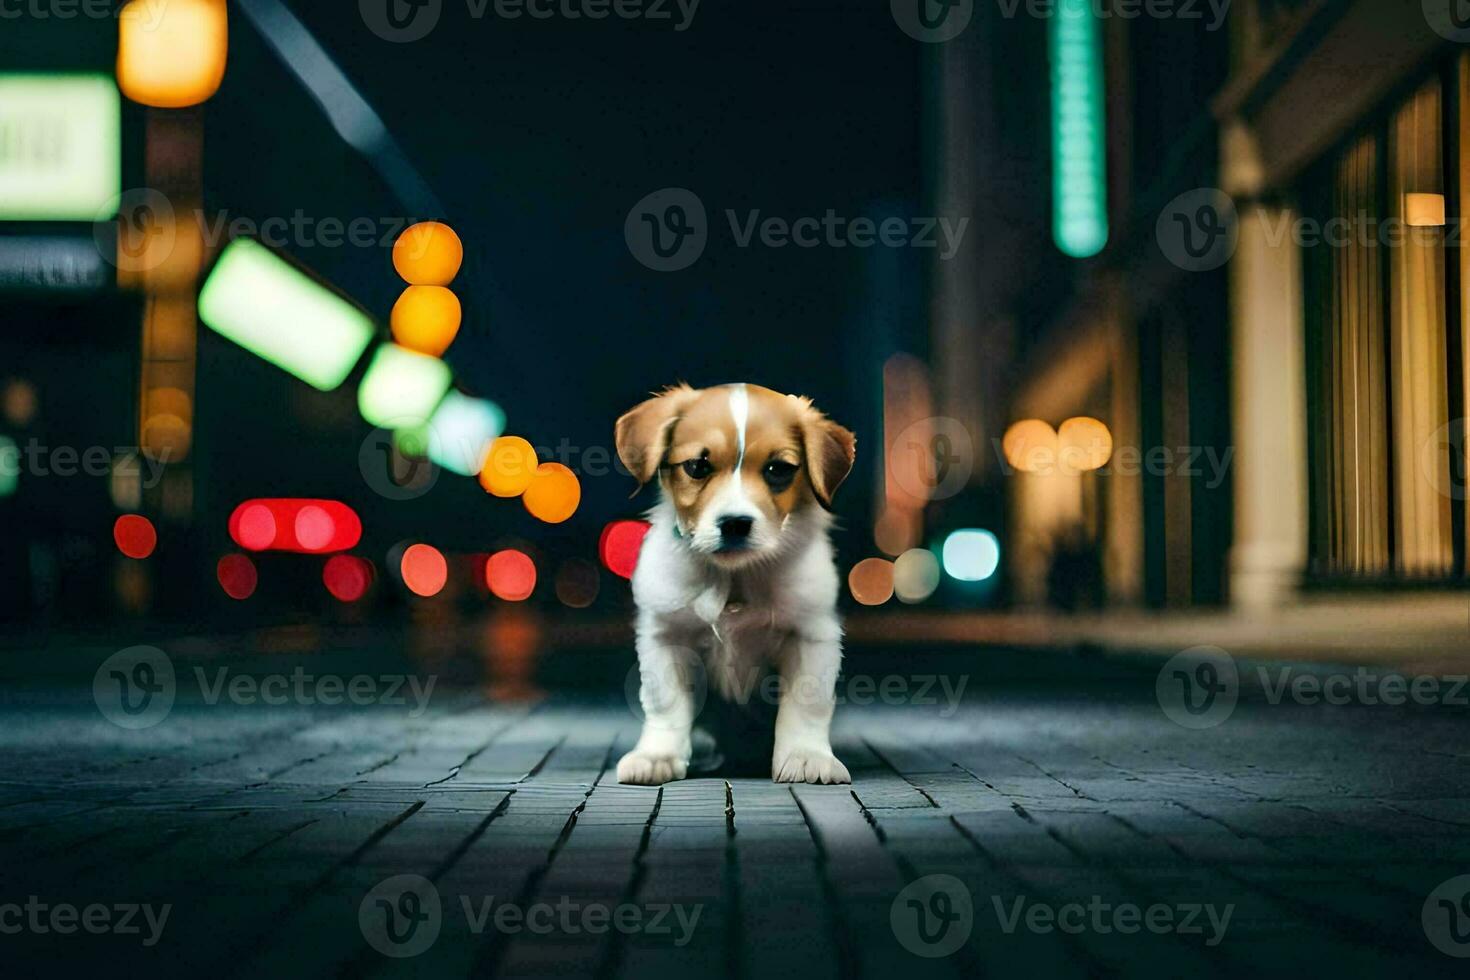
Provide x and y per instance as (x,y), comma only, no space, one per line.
(1071,829)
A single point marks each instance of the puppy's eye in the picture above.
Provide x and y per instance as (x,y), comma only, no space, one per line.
(697,469)
(779,474)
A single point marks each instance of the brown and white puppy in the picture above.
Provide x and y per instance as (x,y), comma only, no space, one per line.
(737,572)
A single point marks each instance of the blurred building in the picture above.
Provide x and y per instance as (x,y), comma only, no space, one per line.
(1273,333)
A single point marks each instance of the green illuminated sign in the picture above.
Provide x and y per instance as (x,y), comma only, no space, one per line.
(60,147)
(402,387)
(9,466)
(1078,133)
(274,310)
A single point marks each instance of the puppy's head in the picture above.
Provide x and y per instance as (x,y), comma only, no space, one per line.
(737,462)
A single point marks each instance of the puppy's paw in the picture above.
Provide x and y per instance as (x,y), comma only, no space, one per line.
(647,769)
(808,766)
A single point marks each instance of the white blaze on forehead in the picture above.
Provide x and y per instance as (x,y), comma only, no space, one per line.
(740,409)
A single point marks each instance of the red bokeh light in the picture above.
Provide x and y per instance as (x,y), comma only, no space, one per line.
(424,570)
(135,535)
(314,528)
(237,576)
(511,575)
(293,524)
(619,546)
(256,527)
(347,577)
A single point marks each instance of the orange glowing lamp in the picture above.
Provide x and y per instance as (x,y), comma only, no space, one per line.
(511,575)
(553,494)
(171,55)
(424,570)
(426,319)
(509,468)
(428,254)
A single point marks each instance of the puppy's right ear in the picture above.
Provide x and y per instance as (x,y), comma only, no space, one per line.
(642,435)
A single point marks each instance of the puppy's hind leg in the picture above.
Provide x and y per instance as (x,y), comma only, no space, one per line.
(809,664)
(670,677)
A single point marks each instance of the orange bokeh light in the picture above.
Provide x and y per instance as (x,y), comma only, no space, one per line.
(511,575)
(554,493)
(871,581)
(1030,446)
(428,254)
(172,55)
(424,570)
(426,319)
(509,468)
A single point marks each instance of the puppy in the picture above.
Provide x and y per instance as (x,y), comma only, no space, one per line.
(737,573)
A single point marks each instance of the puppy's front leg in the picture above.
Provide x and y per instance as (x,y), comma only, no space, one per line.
(667,676)
(809,665)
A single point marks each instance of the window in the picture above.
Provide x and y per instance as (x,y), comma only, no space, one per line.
(1386,382)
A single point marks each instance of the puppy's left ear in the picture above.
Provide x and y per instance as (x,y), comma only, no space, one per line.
(642,434)
(829,450)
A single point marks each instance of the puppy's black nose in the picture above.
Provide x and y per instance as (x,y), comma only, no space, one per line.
(735,530)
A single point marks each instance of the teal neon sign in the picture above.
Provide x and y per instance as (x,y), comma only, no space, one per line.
(1078,134)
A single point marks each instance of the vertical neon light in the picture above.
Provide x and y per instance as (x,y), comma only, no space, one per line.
(1078,137)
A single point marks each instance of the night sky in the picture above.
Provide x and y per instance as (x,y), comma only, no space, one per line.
(538,137)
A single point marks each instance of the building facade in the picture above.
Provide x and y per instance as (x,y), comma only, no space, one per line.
(1274,334)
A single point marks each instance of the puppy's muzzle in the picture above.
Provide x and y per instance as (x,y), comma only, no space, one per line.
(735,532)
